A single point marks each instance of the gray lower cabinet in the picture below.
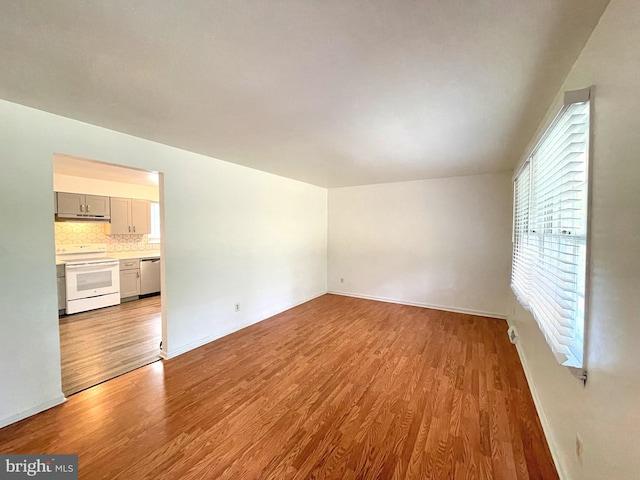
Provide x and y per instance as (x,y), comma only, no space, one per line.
(62,289)
(130,278)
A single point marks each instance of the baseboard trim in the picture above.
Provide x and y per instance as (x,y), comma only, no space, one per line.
(546,427)
(444,308)
(32,411)
(169,354)
(280,310)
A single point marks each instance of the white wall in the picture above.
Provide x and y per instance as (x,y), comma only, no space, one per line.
(605,413)
(443,243)
(231,235)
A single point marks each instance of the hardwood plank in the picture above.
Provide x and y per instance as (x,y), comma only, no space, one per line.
(99,345)
(337,387)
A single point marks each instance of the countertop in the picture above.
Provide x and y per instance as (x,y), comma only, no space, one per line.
(141,254)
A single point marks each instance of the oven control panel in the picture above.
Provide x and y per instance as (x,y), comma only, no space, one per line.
(81,248)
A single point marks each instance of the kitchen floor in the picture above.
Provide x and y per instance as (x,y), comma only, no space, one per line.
(102,344)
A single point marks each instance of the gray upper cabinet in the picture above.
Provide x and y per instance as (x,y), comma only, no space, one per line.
(120,215)
(130,216)
(70,203)
(97,205)
(81,205)
(141,216)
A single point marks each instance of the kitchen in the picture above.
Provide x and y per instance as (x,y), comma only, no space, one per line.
(108,264)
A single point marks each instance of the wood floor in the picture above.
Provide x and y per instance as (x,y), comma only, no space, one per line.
(337,388)
(101,344)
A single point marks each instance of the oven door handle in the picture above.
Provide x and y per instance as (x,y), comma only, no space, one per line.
(92,265)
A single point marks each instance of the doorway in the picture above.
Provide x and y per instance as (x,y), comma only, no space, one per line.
(98,344)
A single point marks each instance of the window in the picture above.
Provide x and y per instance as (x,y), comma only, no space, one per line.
(154,236)
(551,197)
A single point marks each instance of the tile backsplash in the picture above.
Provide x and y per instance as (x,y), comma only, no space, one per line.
(67,233)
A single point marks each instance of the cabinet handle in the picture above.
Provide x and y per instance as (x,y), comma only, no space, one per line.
(134,229)
(81,207)
(138,274)
(88,206)
(129,228)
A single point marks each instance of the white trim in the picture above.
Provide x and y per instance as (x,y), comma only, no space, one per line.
(32,411)
(444,308)
(558,106)
(577,96)
(587,274)
(546,426)
(169,354)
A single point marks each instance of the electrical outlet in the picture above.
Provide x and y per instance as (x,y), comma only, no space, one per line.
(237,307)
(579,448)
(513,334)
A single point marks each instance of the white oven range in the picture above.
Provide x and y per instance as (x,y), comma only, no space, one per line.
(92,279)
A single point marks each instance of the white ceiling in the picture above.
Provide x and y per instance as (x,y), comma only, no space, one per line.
(334,92)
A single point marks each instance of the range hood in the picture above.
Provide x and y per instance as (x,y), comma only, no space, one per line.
(63,217)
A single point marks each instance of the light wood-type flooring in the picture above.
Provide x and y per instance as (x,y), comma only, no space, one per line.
(337,388)
(101,344)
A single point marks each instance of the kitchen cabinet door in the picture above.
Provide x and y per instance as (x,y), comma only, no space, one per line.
(97,205)
(79,203)
(70,203)
(120,215)
(130,216)
(141,216)
(129,283)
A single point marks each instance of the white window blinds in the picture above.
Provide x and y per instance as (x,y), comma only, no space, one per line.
(550,233)
(521,257)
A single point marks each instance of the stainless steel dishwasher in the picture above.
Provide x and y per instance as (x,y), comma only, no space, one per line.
(149,276)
